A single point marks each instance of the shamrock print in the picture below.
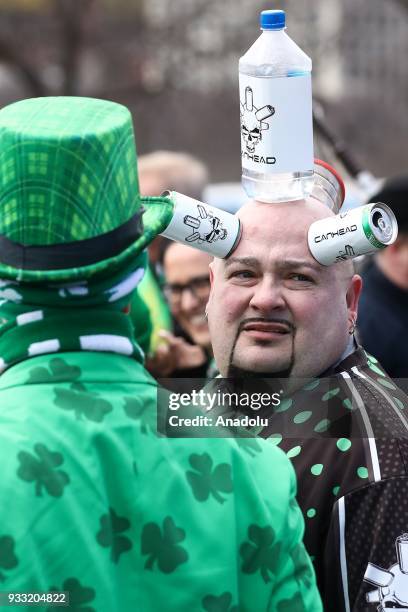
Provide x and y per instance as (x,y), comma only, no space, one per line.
(82,402)
(109,536)
(8,559)
(223,603)
(78,595)
(59,371)
(295,604)
(206,481)
(41,470)
(136,409)
(301,562)
(262,554)
(163,547)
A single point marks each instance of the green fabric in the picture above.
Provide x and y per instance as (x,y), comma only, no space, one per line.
(142,321)
(42,318)
(124,520)
(68,172)
(39,140)
(160,316)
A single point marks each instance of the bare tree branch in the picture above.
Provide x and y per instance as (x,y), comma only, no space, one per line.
(71,15)
(10,55)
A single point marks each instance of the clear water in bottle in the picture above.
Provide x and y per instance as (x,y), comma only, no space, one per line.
(276,115)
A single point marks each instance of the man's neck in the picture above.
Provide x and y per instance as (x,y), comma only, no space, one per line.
(350,348)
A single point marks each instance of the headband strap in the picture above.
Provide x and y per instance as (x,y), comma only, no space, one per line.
(72,254)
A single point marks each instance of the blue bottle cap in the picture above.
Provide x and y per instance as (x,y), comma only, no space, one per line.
(272,20)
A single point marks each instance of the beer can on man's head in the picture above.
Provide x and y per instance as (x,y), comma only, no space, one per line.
(357,231)
(201,226)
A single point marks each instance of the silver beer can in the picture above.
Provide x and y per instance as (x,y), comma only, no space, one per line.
(355,232)
(203,227)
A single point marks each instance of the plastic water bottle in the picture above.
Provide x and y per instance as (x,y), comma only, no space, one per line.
(276,115)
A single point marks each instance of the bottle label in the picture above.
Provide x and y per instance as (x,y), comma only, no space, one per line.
(276,123)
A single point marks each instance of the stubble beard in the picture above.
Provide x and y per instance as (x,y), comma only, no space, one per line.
(236,371)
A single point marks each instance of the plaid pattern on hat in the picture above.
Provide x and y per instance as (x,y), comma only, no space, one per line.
(68,172)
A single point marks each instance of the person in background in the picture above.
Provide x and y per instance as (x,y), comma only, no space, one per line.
(170,352)
(187,289)
(174,171)
(383,314)
(95,504)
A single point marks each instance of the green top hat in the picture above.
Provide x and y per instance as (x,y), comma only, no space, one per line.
(69,195)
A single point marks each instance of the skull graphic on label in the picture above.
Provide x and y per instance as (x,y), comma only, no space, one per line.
(253,121)
(392,584)
(207,227)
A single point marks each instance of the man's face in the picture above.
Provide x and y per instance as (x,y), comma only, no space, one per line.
(273,308)
(188,287)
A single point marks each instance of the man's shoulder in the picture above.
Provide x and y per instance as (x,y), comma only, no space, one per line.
(347,428)
(72,367)
(77,381)
(367,374)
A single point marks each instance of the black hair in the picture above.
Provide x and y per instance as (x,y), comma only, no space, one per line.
(394,193)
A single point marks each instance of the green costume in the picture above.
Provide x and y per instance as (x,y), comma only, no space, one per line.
(151,294)
(94,502)
(142,321)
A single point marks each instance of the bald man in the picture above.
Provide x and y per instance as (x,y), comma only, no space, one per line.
(274,299)
(286,318)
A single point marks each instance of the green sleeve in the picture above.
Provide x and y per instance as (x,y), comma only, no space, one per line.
(142,322)
(152,295)
(295,574)
(274,548)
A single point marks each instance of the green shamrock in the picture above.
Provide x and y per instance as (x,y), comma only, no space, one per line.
(163,547)
(263,554)
(82,402)
(141,411)
(295,604)
(42,470)
(78,595)
(206,481)
(8,559)
(59,371)
(223,603)
(301,562)
(109,536)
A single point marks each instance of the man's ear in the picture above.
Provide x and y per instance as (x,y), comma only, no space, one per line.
(353,296)
(211,266)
